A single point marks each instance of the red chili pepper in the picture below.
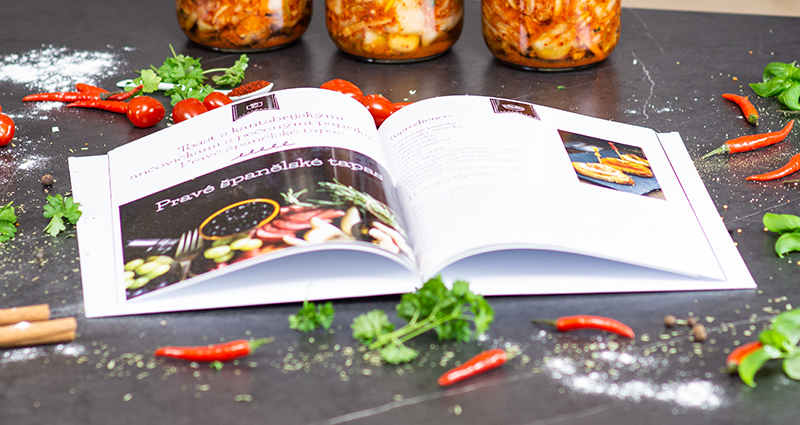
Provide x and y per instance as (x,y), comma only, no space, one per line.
(792,167)
(749,111)
(68,96)
(482,362)
(209,353)
(753,141)
(125,95)
(737,355)
(117,106)
(86,88)
(571,323)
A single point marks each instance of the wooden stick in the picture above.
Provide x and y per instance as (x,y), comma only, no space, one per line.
(36,333)
(31,313)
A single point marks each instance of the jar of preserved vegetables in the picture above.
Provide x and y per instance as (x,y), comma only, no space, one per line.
(394,30)
(243,25)
(551,35)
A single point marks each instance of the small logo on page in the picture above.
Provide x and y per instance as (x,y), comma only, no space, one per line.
(263,103)
(504,106)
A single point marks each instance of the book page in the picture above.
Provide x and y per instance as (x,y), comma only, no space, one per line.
(477,174)
(296,172)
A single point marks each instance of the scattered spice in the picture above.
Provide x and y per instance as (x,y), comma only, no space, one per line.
(248,88)
(670,320)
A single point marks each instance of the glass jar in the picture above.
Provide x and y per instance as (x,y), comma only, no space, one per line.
(551,35)
(243,25)
(394,30)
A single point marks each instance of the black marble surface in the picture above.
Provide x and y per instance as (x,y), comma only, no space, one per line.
(667,73)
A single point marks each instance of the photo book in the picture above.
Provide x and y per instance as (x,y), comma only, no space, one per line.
(296,195)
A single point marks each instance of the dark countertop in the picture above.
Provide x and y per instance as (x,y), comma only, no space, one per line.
(667,73)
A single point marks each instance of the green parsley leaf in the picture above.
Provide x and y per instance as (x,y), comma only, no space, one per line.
(8,220)
(233,75)
(397,353)
(310,317)
(450,313)
(181,69)
(190,89)
(148,79)
(58,209)
(369,326)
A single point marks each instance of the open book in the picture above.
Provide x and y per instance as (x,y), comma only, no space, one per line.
(296,195)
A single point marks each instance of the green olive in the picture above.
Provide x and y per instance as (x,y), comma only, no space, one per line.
(139,282)
(217,252)
(146,268)
(160,259)
(241,243)
(224,258)
(222,241)
(254,244)
(158,271)
(129,275)
(133,264)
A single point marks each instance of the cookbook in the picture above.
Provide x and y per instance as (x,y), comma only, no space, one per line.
(296,195)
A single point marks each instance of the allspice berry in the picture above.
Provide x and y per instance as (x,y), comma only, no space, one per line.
(48,180)
(699,332)
(691,321)
(670,320)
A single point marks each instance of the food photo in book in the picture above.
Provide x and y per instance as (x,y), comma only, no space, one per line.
(612,165)
(295,198)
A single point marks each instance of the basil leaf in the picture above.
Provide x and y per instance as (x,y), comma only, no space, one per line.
(774,339)
(787,242)
(772,87)
(778,69)
(788,325)
(751,364)
(781,223)
(790,96)
(791,367)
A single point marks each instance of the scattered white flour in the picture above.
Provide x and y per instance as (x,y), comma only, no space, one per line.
(698,394)
(54,69)
(31,353)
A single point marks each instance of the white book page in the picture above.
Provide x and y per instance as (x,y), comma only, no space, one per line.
(142,197)
(472,180)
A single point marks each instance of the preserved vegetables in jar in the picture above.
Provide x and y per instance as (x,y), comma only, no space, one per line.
(394,30)
(237,25)
(551,34)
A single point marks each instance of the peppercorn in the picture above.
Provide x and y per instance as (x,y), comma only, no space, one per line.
(699,332)
(691,322)
(670,320)
(48,180)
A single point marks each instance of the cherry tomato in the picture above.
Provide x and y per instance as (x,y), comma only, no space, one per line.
(344,87)
(379,106)
(144,111)
(216,99)
(7,129)
(187,108)
(399,105)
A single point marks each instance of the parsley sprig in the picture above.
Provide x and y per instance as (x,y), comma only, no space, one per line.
(188,76)
(779,342)
(311,316)
(451,313)
(59,209)
(8,222)
(781,80)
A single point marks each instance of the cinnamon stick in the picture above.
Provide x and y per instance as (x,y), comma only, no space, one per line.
(37,333)
(31,313)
